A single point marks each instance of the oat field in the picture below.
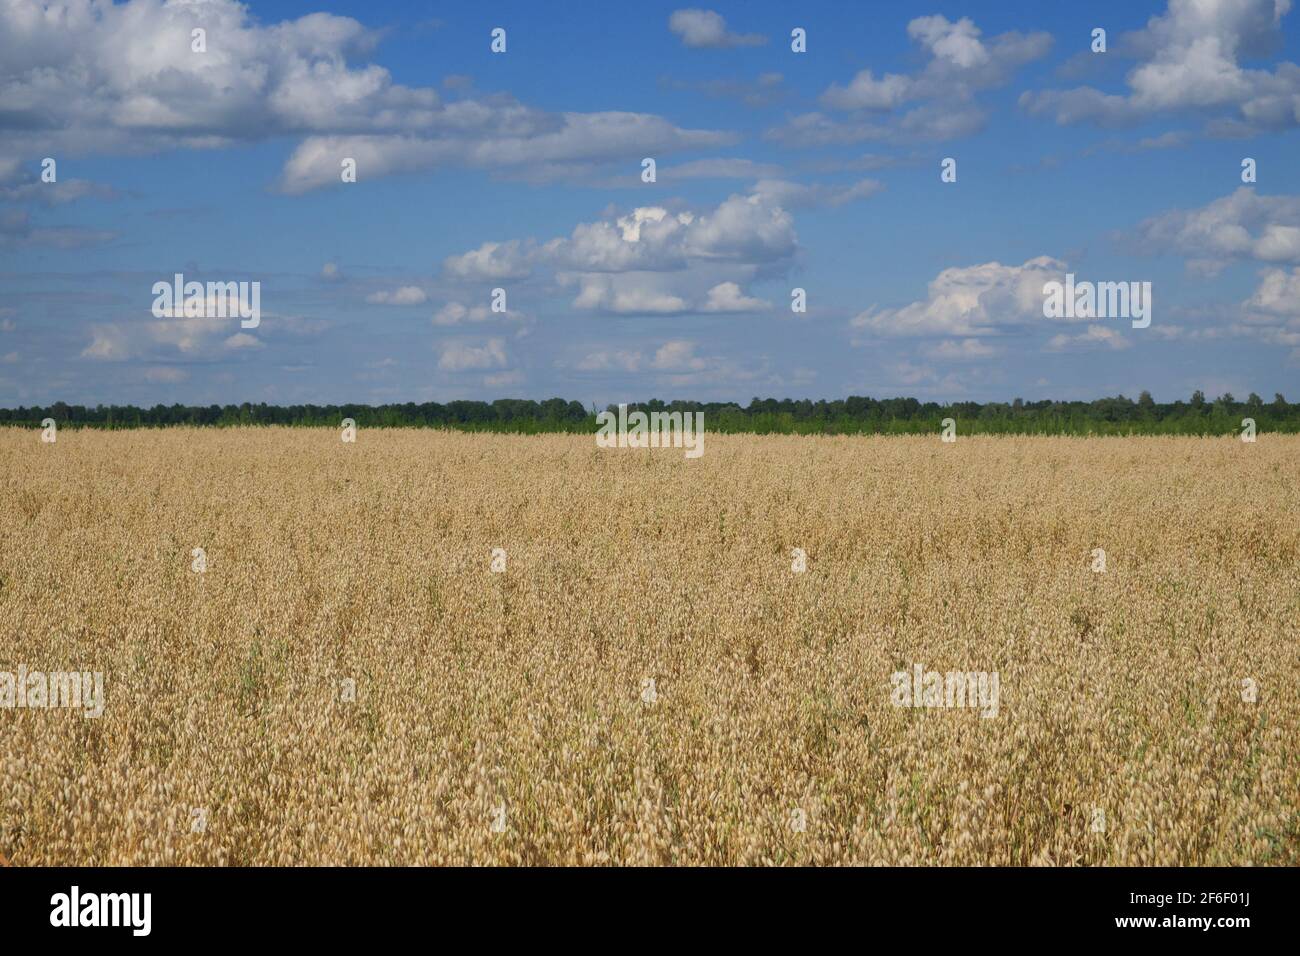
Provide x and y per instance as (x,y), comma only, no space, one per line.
(648,680)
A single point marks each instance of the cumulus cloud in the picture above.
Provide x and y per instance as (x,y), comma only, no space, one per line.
(1272,313)
(107,343)
(678,355)
(242,340)
(1242,225)
(125,76)
(1278,294)
(727,297)
(456,313)
(620,296)
(188,336)
(970,301)
(492,260)
(1189,59)
(79,76)
(175,337)
(960,63)
(193,338)
(653,261)
(705,28)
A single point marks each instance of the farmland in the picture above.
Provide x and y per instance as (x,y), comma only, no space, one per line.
(439,647)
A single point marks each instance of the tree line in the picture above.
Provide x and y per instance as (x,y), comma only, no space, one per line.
(854,415)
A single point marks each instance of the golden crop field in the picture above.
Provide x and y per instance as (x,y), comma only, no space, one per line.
(648,680)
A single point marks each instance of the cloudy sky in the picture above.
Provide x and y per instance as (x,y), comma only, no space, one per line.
(523,171)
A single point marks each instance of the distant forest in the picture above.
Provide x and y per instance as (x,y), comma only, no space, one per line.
(850,416)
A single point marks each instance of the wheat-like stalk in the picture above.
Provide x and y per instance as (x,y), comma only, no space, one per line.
(648,680)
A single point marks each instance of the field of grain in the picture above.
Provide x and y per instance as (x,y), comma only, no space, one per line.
(509,717)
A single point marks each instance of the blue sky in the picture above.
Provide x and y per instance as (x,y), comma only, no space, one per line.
(521,171)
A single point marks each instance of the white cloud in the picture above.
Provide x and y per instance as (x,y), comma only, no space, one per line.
(743,229)
(242,340)
(1242,225)
(197,338)
(190,336)
(868,93)
(1190,60)
(1095,336)
(960,63)
(746,229)
(1278,294)
(456,313)
(931,122)
(492,260)
(81,76)
(956,44)
(651,261)
(678,355)
(659,293)
(495,140)
(406,295)
(705,28)
(727,297)
(620,295)
(606,360)
(460,356)
(124,76)
(107,343)
(960,350)
(1272,313)
(970,301)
